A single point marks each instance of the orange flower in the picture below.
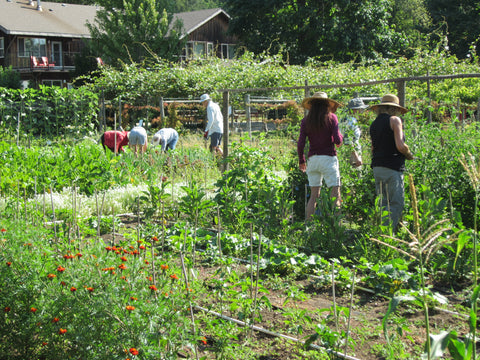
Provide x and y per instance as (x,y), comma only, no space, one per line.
(147,262)
(204,340)
(51,276)
(62,331)
(66,257)
(142,247)
(63,283)
(90,289)
(130,307)
(73,289)
(164,267)
(133,351)
(123,258)
(3,230)
(79,255)
(133,298)
(108,248)
(149,278)
(44,343)
(7,309)
(153,288)
(60,269)
(9,263)
(174,277)
(122,266)
(32,309)
(154,238)
(55,319)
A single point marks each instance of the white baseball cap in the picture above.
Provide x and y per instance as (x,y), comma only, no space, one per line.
(205,97)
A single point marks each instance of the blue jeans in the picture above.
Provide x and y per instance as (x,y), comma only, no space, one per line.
(172,142)
(389,185)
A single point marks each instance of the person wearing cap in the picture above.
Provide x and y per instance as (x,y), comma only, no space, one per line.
(214,127)
(389,152)
(114,140)
(351,131)
(320,127)
(166,137)
(138,139)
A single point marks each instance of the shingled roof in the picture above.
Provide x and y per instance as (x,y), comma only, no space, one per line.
(192,20)
(18,17)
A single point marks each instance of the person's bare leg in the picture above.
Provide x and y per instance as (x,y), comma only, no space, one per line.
(335,193)
(312,202)
(218,151)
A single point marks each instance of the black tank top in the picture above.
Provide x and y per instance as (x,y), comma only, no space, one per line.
(384,151)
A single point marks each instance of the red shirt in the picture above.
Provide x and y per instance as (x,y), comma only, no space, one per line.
(322,142)
(109,139)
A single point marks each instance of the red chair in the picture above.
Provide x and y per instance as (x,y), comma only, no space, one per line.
(46,63)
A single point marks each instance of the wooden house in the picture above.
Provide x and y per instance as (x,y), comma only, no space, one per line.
(205,32)
(41,39)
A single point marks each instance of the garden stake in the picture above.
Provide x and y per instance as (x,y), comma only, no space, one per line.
(163,225)
(219,242)
(251,260)
(333,295)
(36,203)
(53,212)
(17,212)
(189,302)
(113,223)
(350,312)
(25,201)
(256,279)
(44,221)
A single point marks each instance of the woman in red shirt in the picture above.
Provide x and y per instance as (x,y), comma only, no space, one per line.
(320,127)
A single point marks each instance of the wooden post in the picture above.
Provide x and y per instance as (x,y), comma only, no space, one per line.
(162,111)
(225,127)
(429,114)
(248,114)
(401,92)
(478,110)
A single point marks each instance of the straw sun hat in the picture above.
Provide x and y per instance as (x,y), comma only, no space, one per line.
(390,100)
(320,95)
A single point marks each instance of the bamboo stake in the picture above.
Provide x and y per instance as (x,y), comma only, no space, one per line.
(349,314)
(256,279)
(53,212)
(189,302)
(219,241)
(334,300)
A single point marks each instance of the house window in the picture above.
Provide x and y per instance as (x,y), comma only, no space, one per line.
(32,47)
(2,47)
(52,83)
(228,51)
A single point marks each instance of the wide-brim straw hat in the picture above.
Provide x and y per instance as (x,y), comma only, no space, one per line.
(318,96)
(390,100)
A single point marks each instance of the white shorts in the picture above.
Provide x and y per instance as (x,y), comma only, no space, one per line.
(137,136)
(321,167)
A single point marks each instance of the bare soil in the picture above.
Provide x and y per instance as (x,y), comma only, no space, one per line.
(314,304)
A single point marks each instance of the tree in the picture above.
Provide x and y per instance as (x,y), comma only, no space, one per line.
(10,78)
(331,29)
(460,22)
(134,30)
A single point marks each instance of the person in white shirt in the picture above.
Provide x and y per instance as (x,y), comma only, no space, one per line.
(167,138)
(214,127)
(351,131)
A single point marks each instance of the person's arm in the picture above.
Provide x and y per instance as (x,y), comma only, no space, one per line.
(209,118)
(396,125)
(337,136)
(163,141)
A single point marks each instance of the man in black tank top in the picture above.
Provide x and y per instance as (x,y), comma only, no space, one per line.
(389,152)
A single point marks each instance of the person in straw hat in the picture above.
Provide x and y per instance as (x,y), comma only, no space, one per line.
(389,152)
(320,127)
